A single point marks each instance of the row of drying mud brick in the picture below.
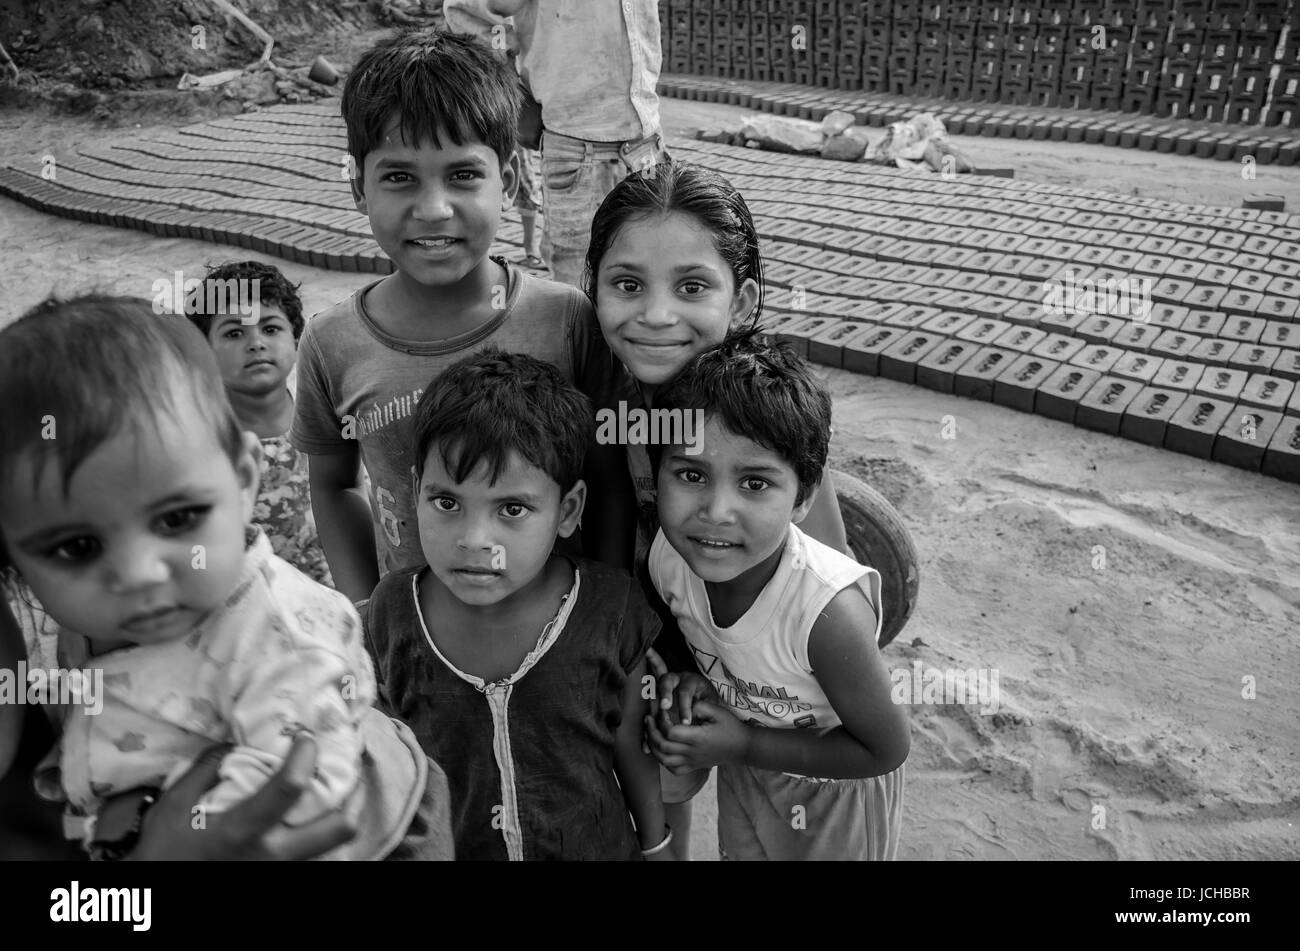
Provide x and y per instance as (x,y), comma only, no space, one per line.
(297,241)
(1225,143)
(1249,420)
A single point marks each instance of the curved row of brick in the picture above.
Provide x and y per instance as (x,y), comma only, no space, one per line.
(1264,145)
(271,181)
(913,277)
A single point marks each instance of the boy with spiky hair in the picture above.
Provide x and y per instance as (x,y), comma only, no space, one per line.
(431,120)
(518,668)
(792,700)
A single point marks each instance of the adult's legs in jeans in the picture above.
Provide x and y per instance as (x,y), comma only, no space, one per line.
(574,182)
(576,177)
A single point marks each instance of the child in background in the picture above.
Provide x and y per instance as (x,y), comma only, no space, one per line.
(528,201)
(431,120)
(519,669)
(126,488)
(673,264)
(473,17)
(796,710)
(255,360)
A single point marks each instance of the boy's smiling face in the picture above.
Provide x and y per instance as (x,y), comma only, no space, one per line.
(727,510)
(434,211)
(486,541)
(254,360)
(115,559)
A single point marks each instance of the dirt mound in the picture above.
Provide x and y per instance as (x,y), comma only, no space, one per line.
(115,44)
(120,61)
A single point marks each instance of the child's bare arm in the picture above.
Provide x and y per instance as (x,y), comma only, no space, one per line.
(824,521)
(343,522)
(847,663)
(873,740)
(638,773)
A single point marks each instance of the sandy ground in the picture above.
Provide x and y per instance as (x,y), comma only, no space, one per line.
(1147,705)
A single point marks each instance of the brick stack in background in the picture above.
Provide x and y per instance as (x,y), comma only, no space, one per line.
(1182,54)
(675,35)
(1049,51)
(904,35)
(721,37)
(988,47)
(959,49)
(1218,56)
(1145,65)
(1079,64)
(878,18)
(779,37)
(1109,38)
(848,59)
(1209,60)
(761,39)
(740,44)
(822,42)
(1019,37)
(1284,107)
(931,51)
(1257,41)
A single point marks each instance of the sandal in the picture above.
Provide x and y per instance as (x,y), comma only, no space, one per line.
(530,261)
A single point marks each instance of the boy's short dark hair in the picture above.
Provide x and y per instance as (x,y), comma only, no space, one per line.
(764,391)
(275,290)
(484,406)
(92,365)
(432,79)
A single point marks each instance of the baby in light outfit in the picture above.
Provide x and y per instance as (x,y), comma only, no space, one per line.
(126,495)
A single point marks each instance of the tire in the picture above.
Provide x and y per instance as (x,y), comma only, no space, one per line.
(879,539)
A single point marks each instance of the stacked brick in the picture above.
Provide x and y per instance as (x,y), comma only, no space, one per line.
(1211,60)
(811,42)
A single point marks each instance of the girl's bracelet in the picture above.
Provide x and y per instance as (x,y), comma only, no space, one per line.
(646,853)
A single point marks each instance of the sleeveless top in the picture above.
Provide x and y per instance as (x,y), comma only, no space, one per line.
(759,665)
